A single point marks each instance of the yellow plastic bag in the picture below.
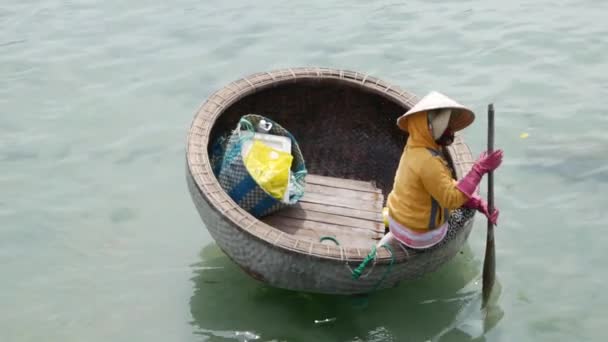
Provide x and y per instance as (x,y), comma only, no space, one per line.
(269,167)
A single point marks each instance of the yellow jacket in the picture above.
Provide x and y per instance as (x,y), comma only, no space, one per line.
(424,190)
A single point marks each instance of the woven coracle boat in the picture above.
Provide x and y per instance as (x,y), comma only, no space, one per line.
(345,125)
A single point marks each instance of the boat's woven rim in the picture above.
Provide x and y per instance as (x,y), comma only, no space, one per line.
(200,168)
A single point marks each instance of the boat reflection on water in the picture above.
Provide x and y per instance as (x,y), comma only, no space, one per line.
(444,305)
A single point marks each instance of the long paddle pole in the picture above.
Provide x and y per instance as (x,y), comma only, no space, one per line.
(489,262)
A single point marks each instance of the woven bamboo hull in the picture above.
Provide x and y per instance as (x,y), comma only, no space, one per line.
(301,272)
(282,260)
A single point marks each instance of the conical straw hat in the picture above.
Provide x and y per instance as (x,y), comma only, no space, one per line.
(461,116)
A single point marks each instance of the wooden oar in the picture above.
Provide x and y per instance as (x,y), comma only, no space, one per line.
(489,262)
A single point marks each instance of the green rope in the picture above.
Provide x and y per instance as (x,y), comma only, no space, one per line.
(388,269)
(359,270)
(356,273)
(330,238)
(371,256)
(248,127)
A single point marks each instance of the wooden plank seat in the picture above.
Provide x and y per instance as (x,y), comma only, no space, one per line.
(347,210)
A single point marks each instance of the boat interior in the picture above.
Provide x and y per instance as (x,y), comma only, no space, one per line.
(351,146)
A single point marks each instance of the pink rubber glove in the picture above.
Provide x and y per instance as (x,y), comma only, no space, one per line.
(476,202)
(485,163)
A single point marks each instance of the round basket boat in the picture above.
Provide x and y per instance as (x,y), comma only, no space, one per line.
(345,124)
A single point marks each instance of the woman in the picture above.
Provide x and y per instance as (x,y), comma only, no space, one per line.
(424,192)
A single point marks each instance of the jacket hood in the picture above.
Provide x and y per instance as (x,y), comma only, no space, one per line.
(419,133)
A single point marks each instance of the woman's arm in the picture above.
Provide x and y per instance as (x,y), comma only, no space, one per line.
(438,181)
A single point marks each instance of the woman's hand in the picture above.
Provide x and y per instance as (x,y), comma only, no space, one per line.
(480,205)
(485,163)
(488,162)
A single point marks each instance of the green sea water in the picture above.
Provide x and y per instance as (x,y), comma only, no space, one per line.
(100,241)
